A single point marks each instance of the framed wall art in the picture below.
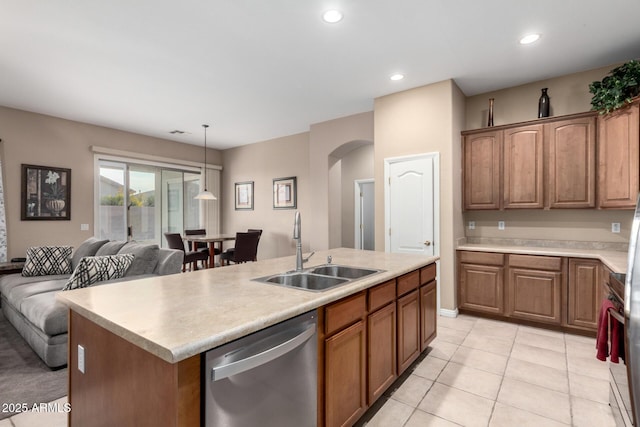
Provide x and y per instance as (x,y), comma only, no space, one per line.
(284,193)
(244,195)
(45,193)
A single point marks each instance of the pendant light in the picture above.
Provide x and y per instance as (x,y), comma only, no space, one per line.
(205,195)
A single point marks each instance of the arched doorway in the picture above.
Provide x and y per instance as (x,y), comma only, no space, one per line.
(350,162)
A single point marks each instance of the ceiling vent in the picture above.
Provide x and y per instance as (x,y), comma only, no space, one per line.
(176,132)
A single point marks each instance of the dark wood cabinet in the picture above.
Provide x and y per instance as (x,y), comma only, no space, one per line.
(345,360)
(619,158)
(345,376)
(481,282)
(408,330)
(368,339)
(381,350)
(571,163)
(585,293)
(482,158)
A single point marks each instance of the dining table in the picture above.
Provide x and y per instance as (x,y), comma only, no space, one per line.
(212,240)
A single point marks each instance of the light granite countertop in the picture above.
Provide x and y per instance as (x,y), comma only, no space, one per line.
(178,316)
(614,260)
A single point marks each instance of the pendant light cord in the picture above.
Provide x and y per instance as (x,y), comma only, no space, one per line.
(205,156)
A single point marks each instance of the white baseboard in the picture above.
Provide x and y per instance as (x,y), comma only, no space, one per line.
(448,313)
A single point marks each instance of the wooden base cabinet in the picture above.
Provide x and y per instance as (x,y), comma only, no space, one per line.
(428,306)
(535,288)
(585,293)
(345,361)
(346,376)
(481,282)
(367,340)
(381,350)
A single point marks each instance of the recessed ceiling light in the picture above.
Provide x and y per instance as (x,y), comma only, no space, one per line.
(332,16)
(529,38)
(396,77)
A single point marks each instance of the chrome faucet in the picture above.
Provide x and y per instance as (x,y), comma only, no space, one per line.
(297,236)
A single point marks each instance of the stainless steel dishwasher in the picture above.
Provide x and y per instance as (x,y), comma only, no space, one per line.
(268,378)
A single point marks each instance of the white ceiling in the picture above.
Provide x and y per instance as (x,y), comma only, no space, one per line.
(260,69)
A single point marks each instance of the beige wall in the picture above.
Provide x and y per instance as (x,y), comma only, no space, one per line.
(569,94)
(425,120)
(261,163)
(43,140)
(357,164)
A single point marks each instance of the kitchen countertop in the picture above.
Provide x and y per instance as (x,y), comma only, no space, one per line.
(178,316)
(616,261)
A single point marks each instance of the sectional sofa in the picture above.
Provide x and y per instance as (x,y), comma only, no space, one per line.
(29,303)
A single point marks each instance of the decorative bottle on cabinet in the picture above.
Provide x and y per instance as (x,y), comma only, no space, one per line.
(490,119)
(543,104)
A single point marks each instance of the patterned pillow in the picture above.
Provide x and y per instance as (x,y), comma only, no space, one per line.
(46,260)
(92,269)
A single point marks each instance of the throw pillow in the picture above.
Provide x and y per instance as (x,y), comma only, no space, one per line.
(146,257)
(47,260)
(110,248)
(92,269)
(86,248)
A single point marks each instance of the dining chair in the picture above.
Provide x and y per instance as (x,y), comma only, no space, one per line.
(230,251)
(246,248)
(200,246)
(174,240)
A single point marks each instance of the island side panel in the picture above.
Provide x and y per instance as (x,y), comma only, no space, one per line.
(126,385)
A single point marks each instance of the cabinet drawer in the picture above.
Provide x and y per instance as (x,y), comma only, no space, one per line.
(408,282)
(345,312)
(482,258)
(382,295)
(536,262)
(427,274)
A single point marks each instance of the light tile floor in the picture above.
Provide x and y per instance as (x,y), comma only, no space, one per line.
(482,372)
(479,372)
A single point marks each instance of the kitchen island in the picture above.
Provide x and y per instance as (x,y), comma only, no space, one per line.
(142,340)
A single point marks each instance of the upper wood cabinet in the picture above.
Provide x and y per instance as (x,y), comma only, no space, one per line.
(523,167)
(571,164)
(482,159)
(547,164)
(619,158)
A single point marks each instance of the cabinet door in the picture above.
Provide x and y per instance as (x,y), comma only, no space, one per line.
(585,293)
(572,163)
(345,376)
(618,158)
(428,314)
(535,295)
(381,350)
(481,170)
(523,167)
(408,330)
(481,288)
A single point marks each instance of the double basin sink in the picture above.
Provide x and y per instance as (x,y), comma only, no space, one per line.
(319,278)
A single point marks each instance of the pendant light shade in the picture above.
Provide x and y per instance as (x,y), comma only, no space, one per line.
(205,194)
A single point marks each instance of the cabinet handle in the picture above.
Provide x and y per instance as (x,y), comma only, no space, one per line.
(427,243)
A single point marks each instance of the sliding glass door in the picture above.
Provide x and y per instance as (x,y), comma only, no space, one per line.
(141,202)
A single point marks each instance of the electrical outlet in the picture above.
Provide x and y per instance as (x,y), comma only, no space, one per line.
(500,225)
(615,227)
(81,358)
(472,225)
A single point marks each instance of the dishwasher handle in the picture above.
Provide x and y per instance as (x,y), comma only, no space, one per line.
(239,366)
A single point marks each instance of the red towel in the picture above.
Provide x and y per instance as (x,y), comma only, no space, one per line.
(604,330)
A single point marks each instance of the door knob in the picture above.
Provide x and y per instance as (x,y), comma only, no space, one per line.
(427,243)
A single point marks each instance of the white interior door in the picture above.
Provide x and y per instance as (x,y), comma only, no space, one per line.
(410,204)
